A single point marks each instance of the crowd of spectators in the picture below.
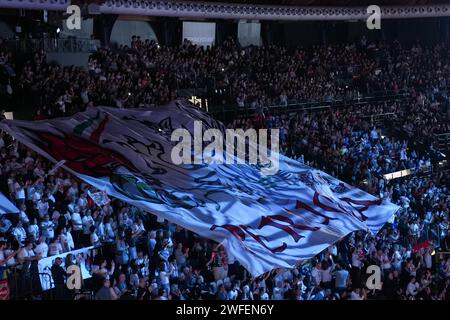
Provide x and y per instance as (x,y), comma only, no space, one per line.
(153,260)
(146,73)
(353,146)
(149,259)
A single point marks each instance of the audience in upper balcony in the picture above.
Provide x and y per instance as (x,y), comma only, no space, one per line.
(146,73)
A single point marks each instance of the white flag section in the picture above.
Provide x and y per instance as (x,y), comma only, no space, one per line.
(265,222)
(6,206)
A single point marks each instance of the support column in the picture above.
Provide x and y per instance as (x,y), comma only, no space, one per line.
(103,25)
(226,29)
(158,29)
(172,31)
(271,33)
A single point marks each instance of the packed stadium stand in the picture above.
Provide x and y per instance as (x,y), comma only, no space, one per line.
(368,107)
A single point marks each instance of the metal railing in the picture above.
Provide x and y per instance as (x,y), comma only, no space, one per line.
(25,283)
(375,119)
(443,142)
(224,111)
(67,45)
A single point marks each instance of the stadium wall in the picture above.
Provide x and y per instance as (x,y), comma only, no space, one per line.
(123,30)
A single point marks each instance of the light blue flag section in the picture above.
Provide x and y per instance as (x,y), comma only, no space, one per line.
(6,206)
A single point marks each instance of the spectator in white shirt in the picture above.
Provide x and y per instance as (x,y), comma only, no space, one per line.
(5,256)
(50,196)
(151,243)
(374,134)
(428,259)
(403,156)
(28,161)
(47,228)
(107,210)
(234,292)
(42,247)
(101,228)
(414,229)
(72,192)
(342,279)
(87,222)
(316,274)
(356,266)
(385,260)
(137,230)
(396,259)
(43,207)
(181,255)
(82,201)
(67,239)
(55,247)
(128,221)
(77,227)
(109,229)
(19,232)
(94,239)
(27,254)
(326,275)
(164,278)
(357,294)
(38,171)
(278,291)
(23,215)
(412,289)
(36,194)
(33,229)
(72,206)
(8,251)
(19,192)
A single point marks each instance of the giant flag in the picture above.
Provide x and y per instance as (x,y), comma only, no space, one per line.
(7,206)
(265,222)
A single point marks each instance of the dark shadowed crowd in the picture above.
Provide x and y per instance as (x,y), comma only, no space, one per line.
(145,73)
